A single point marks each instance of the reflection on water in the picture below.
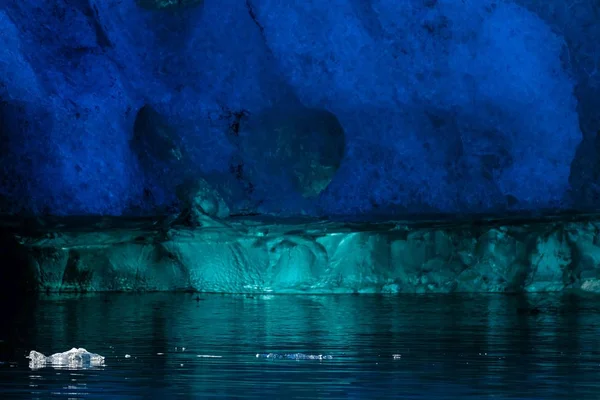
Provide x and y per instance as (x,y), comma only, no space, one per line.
(426,347)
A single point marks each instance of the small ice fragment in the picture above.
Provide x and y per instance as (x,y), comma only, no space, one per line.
(160,354)
(294,356)
(397,356)
(127,356)
(183,349)
(72,359)
(208,356)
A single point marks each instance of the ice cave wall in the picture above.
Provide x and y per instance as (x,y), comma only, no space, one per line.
(106,106)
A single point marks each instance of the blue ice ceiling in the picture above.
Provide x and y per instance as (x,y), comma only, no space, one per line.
(312,107)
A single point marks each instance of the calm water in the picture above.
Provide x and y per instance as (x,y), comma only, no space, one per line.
(451,347)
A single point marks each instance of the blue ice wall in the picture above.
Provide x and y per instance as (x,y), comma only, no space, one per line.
(446,106)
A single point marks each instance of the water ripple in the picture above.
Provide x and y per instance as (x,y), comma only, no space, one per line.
(426,347)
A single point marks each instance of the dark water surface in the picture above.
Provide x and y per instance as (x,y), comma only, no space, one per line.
(451,347)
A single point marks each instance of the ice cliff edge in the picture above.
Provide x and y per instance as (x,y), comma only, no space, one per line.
(246,255)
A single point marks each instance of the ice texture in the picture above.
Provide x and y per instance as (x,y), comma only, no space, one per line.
(168,4)
(250,255)
(106,106)
(456,102)
(76,358)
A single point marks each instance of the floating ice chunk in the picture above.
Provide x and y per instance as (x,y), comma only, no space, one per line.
(294,356)
(208,356)
(72,359)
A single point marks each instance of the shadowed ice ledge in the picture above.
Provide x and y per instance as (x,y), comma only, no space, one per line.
(263,255)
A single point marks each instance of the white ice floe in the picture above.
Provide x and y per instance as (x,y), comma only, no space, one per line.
(72,359)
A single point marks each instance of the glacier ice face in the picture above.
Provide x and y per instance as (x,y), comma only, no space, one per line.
(429,86)
(444,105)
(76,358)
(249,255)
(577,21)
